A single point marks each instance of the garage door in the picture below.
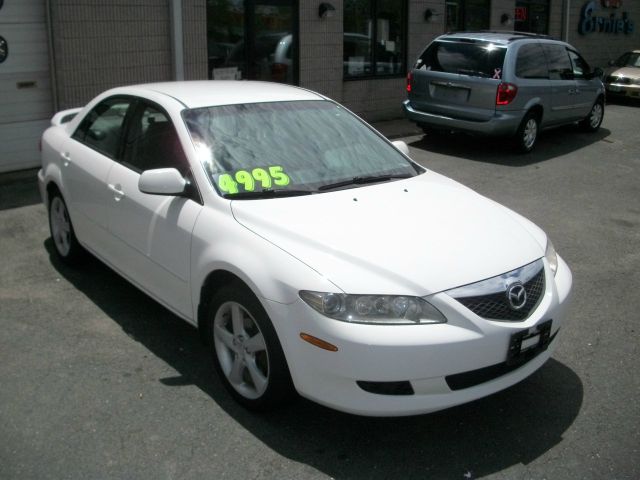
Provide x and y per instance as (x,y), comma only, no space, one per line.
(25,86)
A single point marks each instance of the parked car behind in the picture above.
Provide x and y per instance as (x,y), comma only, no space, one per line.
(623,76)
(511,84)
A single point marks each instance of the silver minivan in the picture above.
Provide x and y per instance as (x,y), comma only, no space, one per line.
(503,83)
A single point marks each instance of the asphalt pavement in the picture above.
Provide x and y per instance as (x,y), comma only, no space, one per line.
(99,381)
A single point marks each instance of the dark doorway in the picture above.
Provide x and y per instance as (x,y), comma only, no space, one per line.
(253,39)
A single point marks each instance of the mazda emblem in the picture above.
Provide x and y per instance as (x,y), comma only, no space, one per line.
(516,296)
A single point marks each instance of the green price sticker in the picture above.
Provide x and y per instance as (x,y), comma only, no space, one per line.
(247,180)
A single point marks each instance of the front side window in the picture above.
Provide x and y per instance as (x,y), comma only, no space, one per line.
(560,67)
(101,129)
(289,146)
(374,38)
(480,59)
(152,142)
(579,65)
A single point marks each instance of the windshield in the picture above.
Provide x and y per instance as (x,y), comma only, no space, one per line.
(294,147)
(629,59)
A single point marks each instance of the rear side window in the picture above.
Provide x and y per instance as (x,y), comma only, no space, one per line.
(559,64)
(476,59)
(101,129)
(531,62)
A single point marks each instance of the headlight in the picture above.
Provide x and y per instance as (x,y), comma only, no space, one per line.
(551,256)
(378,309)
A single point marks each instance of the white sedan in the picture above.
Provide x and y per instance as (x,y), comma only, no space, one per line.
(312,254)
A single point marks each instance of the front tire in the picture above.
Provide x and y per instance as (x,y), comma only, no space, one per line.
(246,352)
(528,131)
(593,121)
(65,243)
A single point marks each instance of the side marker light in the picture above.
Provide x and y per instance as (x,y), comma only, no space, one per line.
(317,342)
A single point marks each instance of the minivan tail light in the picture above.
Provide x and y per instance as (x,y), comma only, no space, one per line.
(506,93)
(409,81)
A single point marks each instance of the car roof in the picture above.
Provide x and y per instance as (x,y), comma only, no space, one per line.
(498,37)
(206,93)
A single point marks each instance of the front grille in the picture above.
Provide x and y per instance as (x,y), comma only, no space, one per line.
(495,305)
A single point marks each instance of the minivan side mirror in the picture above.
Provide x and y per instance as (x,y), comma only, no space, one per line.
(162,181)
(596,73)
(400,145)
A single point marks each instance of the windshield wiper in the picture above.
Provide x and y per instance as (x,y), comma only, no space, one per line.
(266,193)
(362,180)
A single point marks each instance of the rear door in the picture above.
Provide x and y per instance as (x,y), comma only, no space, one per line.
(458,79)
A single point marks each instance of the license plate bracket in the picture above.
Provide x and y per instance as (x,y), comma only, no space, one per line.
(526,344)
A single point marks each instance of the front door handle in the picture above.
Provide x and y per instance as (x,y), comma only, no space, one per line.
(117,191)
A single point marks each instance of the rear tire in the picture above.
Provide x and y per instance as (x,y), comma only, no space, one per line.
(246,352)
(65,243)
(528,131)
(592,122)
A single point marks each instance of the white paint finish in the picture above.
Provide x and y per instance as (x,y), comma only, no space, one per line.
(25,85)
(435,235)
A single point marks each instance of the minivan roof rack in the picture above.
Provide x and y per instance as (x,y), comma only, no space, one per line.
(516,35)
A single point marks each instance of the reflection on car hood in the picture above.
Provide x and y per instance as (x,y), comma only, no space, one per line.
(632,72)
(414,237)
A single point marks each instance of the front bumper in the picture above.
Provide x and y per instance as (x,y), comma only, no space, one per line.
(425,356)
(623,89)
(502,123)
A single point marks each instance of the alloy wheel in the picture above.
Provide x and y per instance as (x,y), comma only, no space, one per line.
(60,226)
(241,350)
(596,116)
(530,133)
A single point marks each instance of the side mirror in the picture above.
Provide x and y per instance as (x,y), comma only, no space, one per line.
(400,145)
(596,73)
(162,181)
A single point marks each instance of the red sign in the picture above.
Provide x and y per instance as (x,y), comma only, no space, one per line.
(521,14)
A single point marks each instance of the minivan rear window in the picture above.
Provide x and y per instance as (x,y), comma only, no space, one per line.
(480,59)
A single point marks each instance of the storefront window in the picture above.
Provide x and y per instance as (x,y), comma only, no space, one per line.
(532,16)
(467,15)
(374,38)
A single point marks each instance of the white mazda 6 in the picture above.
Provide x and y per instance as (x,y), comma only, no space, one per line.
(312,254)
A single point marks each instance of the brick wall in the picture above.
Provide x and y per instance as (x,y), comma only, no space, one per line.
(99,45)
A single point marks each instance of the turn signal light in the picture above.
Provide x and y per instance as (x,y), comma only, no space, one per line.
(506,93)
(317,342)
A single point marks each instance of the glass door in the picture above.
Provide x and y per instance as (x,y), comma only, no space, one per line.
(253,39)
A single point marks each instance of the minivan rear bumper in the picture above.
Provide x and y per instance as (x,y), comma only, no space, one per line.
(502,122)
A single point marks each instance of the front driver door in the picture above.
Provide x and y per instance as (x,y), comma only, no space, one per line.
(153,232)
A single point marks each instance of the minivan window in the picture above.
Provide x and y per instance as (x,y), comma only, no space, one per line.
(481,59)
(559,64)
(580,66)
(530,62)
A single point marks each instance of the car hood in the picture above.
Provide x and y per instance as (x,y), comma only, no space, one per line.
(413,237)
(631,72)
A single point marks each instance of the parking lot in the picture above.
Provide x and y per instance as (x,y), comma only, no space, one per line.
(99,381)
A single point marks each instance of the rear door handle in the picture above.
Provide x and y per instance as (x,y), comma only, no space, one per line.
(66,158)
(117,191)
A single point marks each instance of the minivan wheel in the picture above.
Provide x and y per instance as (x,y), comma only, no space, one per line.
(65,243)
(246,352)
(527,133)
(593,121)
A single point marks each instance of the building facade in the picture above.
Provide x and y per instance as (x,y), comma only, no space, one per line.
(57,54)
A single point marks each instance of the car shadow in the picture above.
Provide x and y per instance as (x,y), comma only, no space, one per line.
(19,189)
(515,426)
(498,150)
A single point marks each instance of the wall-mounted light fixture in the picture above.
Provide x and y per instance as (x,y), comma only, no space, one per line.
(326,10)
(428,15)
(505,19)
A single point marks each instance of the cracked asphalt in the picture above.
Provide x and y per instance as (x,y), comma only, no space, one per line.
(99,381)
